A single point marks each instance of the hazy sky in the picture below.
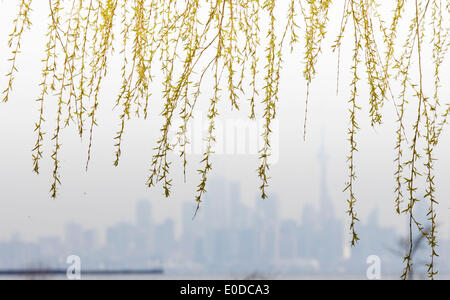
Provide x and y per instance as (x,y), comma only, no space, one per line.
(106,195)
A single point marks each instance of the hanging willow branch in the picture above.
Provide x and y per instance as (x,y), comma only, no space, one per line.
(222,39)
(20,24)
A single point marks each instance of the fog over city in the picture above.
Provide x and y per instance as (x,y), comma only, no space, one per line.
(111,219)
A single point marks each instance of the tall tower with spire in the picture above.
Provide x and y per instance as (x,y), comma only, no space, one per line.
(322,232)
(330,247)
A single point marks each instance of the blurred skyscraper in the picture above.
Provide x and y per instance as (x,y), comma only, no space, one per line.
(225,237)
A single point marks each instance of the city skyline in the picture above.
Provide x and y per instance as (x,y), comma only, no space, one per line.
(226,236)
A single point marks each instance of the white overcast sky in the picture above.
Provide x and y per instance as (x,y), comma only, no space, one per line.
(107,195)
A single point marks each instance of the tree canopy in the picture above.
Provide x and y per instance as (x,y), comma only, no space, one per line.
(220,40)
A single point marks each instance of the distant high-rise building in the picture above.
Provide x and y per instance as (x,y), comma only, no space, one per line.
(120,238)
(217,206)
(165,239)
(74,236)
(288,240)
(144,213)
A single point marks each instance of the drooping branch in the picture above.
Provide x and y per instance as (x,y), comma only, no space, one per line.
(194,40)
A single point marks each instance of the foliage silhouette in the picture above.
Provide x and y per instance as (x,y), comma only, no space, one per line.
(193,38)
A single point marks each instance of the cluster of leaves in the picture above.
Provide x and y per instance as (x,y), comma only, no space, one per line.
(192,38)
